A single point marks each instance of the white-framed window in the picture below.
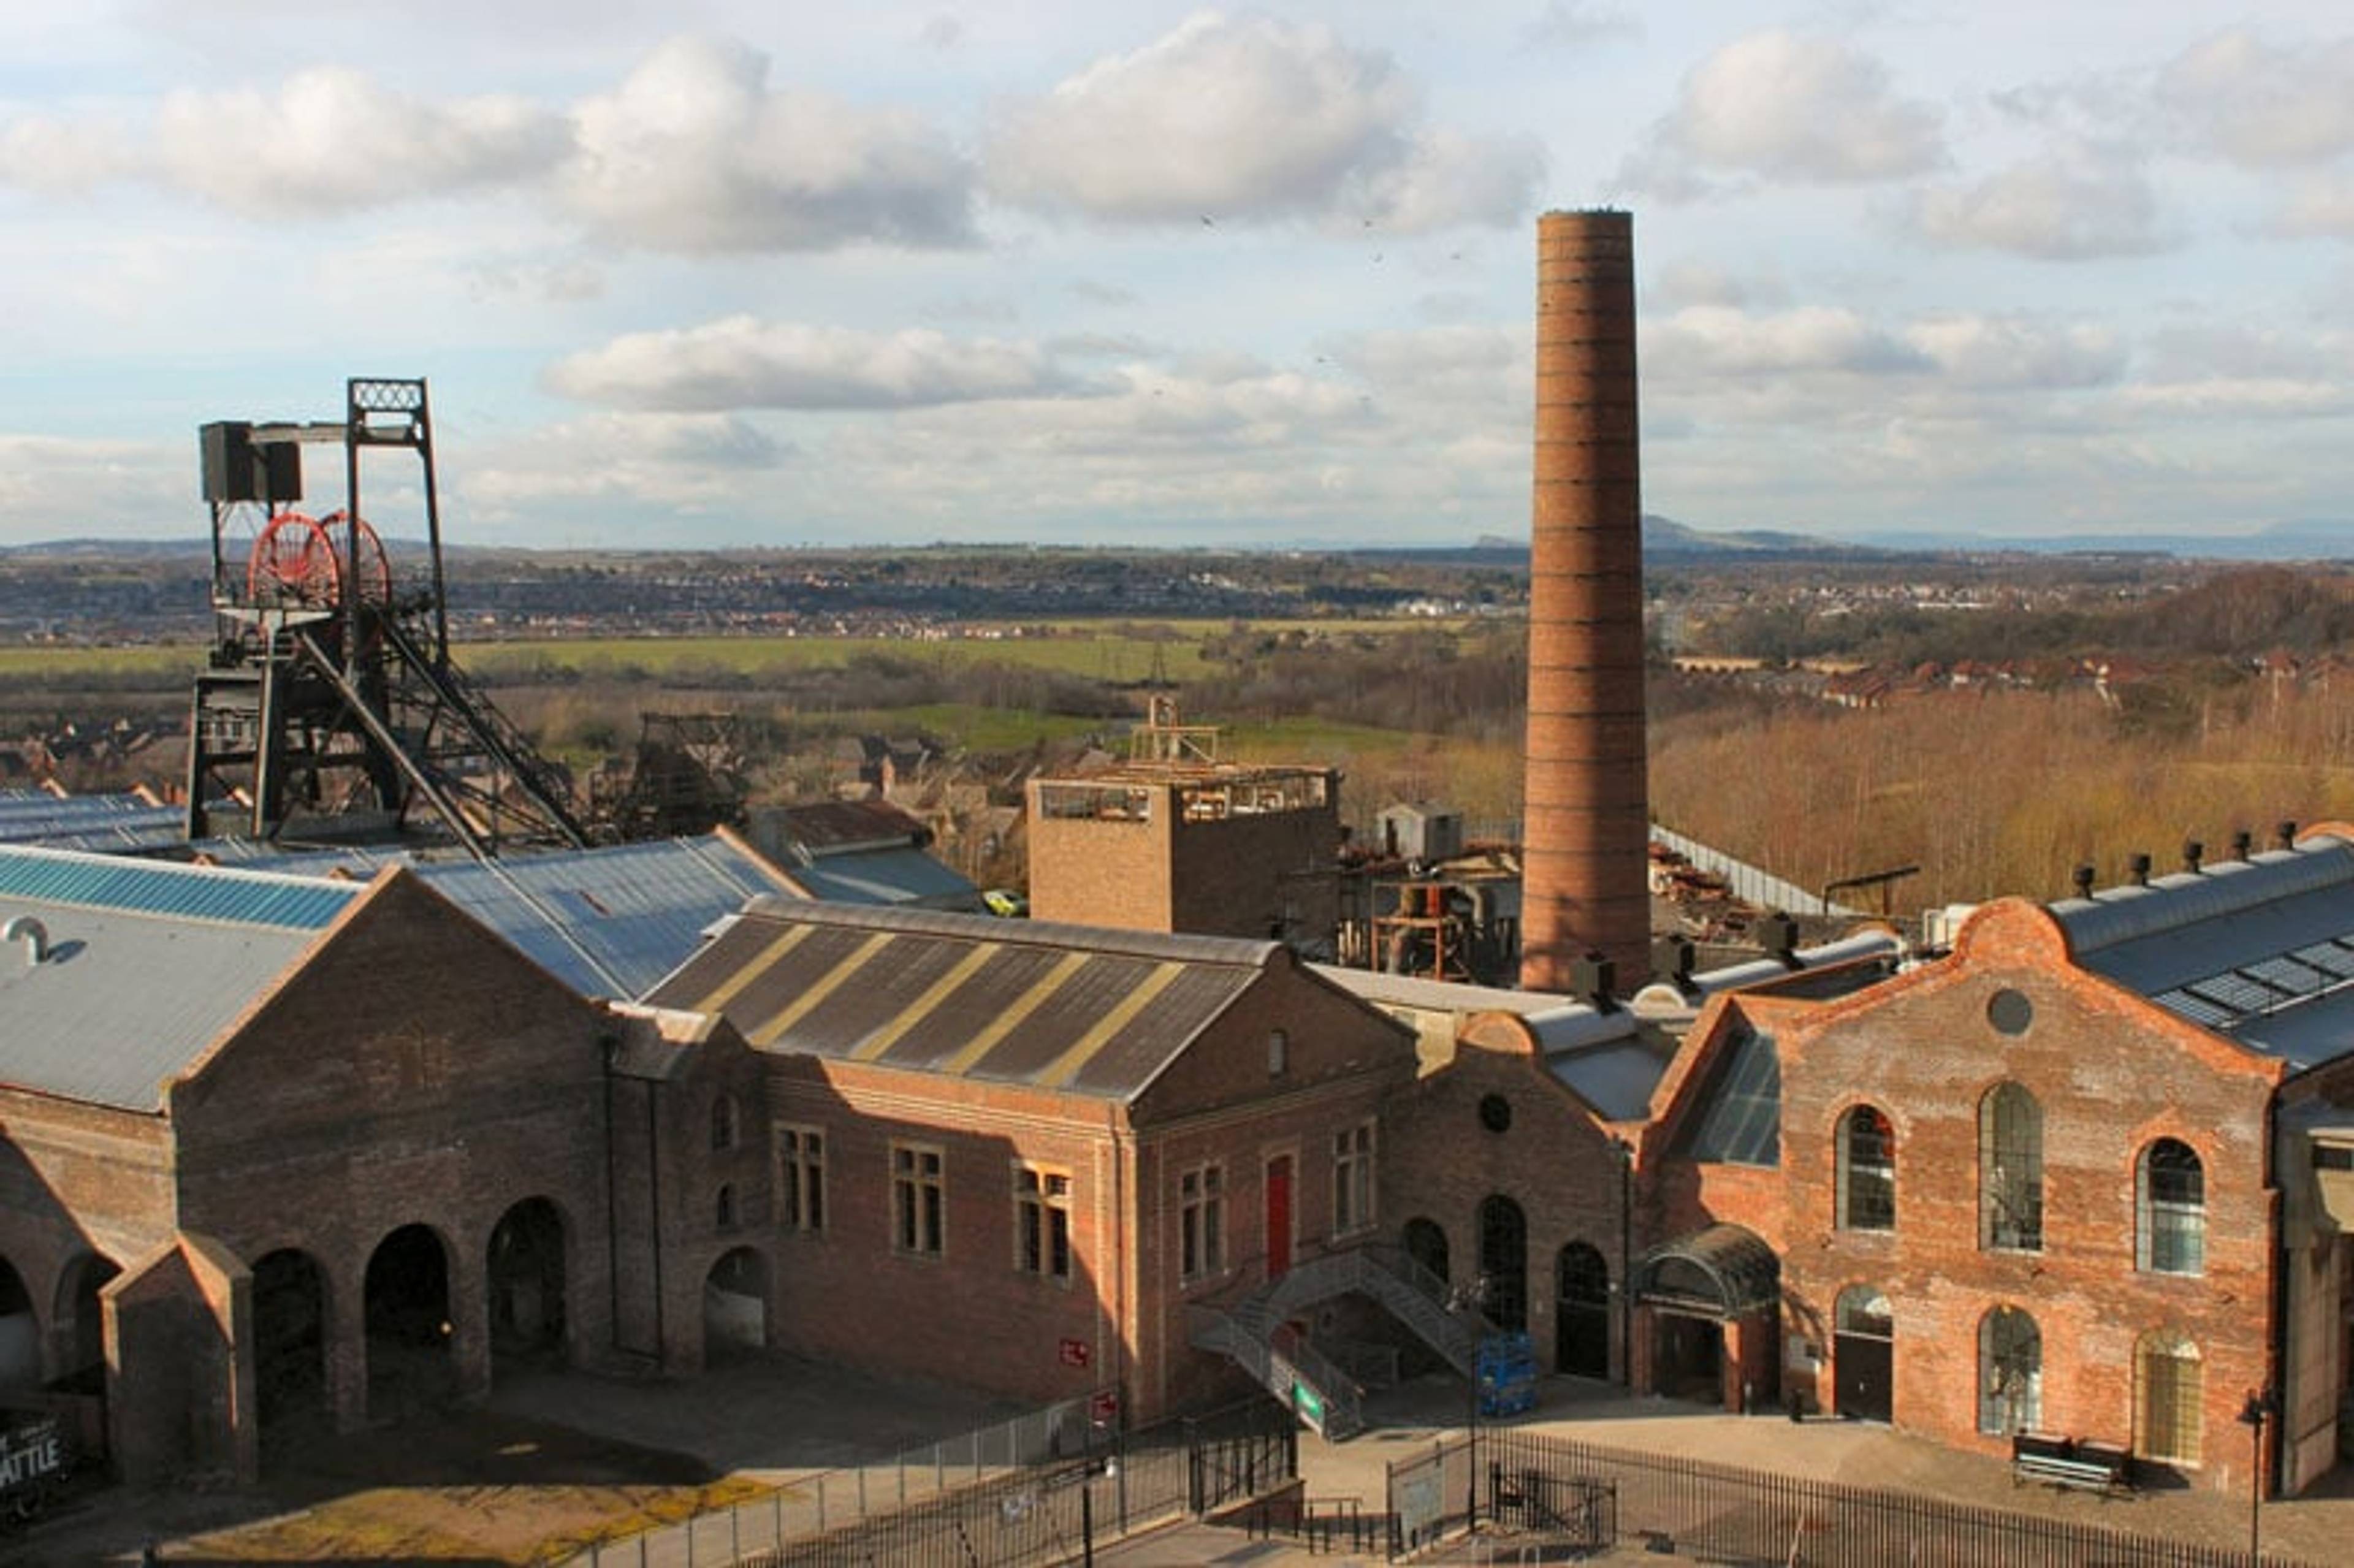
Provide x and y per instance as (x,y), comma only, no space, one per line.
(800,1178)
(1867,1171)
(1352,1179)
(1201,1222)
(918,1200)
(2010,1372)
(2010,1171)
(2170,1200)
(1042,1222)
(2169,1403)
(1279,1053)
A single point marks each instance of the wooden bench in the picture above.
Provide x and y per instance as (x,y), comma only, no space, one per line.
(2084,1463)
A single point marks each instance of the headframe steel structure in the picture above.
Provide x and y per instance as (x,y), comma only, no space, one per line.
(330,707)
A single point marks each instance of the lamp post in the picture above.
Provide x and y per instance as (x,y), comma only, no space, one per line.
(1626,1153)
(2261,1407)
(1469,1301)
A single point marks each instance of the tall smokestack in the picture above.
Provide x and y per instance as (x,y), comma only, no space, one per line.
(1586,806)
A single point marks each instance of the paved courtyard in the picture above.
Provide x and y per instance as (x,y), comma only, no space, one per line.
(557,1458)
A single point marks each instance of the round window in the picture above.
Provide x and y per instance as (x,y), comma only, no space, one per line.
(2009,1012)
(1495,1113)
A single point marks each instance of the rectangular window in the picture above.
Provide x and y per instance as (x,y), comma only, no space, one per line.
(918,1200)
(1042,1222)
(1352,1180)
(800,1178)
(1202,1222)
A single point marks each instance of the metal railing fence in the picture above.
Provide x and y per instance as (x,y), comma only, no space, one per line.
(1546,1488)
(1026,1491)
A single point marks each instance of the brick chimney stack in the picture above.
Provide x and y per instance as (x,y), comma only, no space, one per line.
(1586,812)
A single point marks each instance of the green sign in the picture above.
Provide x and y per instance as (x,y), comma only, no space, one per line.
(1306,1400)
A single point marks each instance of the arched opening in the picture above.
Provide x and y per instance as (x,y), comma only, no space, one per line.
(736,1306)
(2010,1372)
(20,1331)
(2010,1171)
(1426,1243)
(410,1330)
(1504,1261)
(2169,1403)
(1863,1355)
(1582,1311)
(524,1268)
(290,1345)
(79,1309)
(2170,1190)
(1867,1171)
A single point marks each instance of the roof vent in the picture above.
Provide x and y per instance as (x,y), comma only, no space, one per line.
(1779,935)
(1593,979)
(32,933)
(1674,960)
(2082,877)
(2139,869)
(2244,844)
(2288,835)
(2193,851)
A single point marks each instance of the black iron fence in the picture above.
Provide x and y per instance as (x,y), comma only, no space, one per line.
(1059,1511)
(1553,1490)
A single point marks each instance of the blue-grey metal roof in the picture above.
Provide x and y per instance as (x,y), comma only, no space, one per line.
(2261,951)
(106,822)
(145,965)
(156,887)
(903,876)
(1615,1076)
(609,921)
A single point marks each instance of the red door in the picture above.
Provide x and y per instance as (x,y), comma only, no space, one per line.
(1279,1216)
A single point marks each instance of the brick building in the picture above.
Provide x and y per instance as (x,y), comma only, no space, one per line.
(1174,840)
(261,1177)
(1061,1141)
(2075,1176)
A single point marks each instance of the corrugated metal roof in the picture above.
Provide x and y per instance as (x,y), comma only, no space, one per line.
(609,921)
(886,877)
(155,887)
(1616,1075)
(2260,950)
(822,825)
(1089,1011)
(146,965)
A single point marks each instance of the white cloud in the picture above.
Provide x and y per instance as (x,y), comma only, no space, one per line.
(331,139)
(741,362)
(2261,105)
(1709,342)
(65,157)
(1786,108)
(1252,120)
(2077,202)
(2002,352)
(693,464)
(2316,206)
(119,489)
(695,153)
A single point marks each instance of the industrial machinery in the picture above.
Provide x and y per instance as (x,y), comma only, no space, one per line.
(330,707)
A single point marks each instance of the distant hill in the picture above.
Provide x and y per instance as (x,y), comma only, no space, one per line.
(2312,539)
(1664,537)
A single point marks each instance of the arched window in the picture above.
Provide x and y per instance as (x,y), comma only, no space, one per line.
(2170,1205)
(2169,1406)
(2010,1372)
(1867,1171)
(722,1122)
(2011,1170)
(724,1208)
(1426,1245)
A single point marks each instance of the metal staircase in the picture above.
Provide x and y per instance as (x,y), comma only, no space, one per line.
(1254,1332)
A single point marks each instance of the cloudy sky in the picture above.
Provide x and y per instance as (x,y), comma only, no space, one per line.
(717,272)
